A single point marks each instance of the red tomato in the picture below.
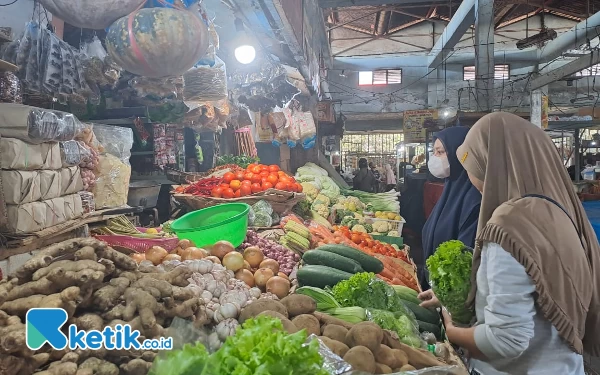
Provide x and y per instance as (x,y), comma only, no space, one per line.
(255,169)
(299,188)
(224,186)
(263,168)
(267,185)
(246,182)
(237,194)
(356,238)
(273,178)
(256,188)
(235,185)
(248,176)
(281,173)
(292,187)
(264,174)
(280,186)
(256,179)
(228,177)
(239,175)
(250,166)
(217,192)
(285,179)
(273,168)
(245,190)
(228,193)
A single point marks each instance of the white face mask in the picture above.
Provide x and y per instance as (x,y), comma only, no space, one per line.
(439,167)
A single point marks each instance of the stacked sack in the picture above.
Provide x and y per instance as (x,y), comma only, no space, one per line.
(37,191)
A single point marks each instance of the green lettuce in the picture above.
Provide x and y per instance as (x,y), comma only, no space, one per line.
(365,290)
(450,278)
(189,360)
(261,347)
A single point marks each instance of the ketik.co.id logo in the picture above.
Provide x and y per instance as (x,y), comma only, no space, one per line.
(45,326)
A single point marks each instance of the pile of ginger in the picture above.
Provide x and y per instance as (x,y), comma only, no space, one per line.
(98,287)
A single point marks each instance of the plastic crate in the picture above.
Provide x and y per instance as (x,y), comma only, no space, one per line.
(389,239)
(395,224)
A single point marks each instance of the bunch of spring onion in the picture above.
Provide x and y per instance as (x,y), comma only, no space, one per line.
(377,201)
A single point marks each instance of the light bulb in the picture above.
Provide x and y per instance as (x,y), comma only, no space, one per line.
(245,54)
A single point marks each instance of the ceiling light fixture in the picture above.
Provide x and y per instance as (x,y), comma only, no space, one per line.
(244,52)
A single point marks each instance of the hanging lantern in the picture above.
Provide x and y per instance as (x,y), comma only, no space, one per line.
(158,42)
(91,14)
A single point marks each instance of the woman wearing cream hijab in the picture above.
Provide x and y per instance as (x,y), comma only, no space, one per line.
(536,265)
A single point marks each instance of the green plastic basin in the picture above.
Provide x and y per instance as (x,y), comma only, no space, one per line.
(204,227)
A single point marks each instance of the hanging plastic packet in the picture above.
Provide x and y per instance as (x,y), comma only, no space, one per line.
(32,70)
(24,48)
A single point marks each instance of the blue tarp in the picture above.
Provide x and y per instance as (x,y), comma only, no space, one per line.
(592,209)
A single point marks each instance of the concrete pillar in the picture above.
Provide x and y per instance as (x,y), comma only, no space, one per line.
(484,54)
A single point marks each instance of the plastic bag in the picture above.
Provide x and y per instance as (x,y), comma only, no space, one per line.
(335,365)
(400,322)
(115,140)
(32,68)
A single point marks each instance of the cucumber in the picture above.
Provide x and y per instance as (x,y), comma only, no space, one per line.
(367,262)
(325,258)
(407,293)
(423,314)
(321,276)
(428,327)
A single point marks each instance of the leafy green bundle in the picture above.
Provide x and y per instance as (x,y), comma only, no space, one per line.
(261,347)
(450,277)
(367,291)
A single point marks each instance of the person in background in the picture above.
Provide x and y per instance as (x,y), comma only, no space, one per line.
(377,175)
(536,265)
(455,215)
(390,178)
(364,179)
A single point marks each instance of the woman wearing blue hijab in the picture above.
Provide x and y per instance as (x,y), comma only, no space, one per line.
(456,214)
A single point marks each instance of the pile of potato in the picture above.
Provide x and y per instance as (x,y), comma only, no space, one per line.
(365,345)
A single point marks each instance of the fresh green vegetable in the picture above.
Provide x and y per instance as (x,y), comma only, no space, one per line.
(367,262)
(422,313)
(302,209)
(428,327)
(377,201)
(325,258)
(189,360)
(260,347)
(166,227)
(407,293)
(450,277)
(404,326)
(321,276)
(353,314)
(242,160)
(366,290)
(323,298)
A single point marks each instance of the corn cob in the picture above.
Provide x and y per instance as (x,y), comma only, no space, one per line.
(293,227)
(291,246)
(297,239)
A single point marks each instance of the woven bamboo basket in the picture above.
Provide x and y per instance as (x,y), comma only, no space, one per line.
(281,201)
